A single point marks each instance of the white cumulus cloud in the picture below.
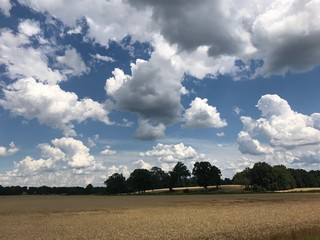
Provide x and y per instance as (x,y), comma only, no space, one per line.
(172,153)
(202,115)
(108,151)
(21,59)
(50,105)
(7,151)
(29,27)
(114,83)
(106,19)
(153,90)
(287,36)
(142,164)
(209,37)
(280,125)
(122,169)
(64,162)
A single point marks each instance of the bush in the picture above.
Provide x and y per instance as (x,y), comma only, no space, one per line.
(257,188)
(187,190)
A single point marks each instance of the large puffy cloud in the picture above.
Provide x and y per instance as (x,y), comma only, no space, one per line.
(208,37)
(139,23)
(152,91)
(7,151)
(78,153)
(287,36)
(114,83)
(202,115)
(64,162)
(71,151)
(22,60)
(107,20)
(188,24)
(281,135)
(282,33)
(172,153)
(167,155)
(281,126)
(50,105)
(29,166)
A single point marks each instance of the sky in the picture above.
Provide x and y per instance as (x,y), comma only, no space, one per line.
(88,90)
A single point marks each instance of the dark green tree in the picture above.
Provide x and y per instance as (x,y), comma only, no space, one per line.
(205,174)
(180,175)
(116,184)
(298,175)
(302,178)
(262,176)
(140,180)
(243,178)
(216,176)
(226,181)
(316,176)
(173,180)
(160,178)
(283,178)
(89,189)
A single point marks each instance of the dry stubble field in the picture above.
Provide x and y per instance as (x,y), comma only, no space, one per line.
(246,216)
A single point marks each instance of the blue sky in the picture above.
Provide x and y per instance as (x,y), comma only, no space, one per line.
(92,89)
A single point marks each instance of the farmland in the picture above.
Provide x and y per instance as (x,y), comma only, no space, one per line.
(225,216)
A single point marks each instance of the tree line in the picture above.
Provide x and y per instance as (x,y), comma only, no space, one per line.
(45,190)
(264,177)
(261,177)
(203,174)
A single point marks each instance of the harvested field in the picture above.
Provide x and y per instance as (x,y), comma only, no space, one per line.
(230,216)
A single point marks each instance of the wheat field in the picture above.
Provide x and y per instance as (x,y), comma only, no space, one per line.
(229,216)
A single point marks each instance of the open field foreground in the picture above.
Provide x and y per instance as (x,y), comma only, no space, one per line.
(246,216)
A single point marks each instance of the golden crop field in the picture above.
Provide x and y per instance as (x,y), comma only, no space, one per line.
(229,216)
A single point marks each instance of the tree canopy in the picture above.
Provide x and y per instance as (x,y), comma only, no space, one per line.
(116,184)
(205,174)
(140,180)
(180,174)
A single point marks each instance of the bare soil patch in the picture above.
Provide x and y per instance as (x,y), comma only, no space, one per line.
(230,216)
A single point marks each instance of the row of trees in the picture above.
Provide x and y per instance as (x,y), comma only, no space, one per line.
(263,177)
(140,180)
(45,190)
